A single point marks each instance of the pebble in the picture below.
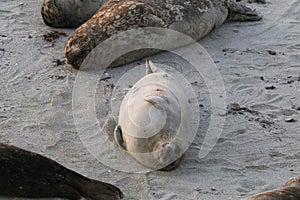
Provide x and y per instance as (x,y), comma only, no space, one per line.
(290,120)
(273,53)
(272,87)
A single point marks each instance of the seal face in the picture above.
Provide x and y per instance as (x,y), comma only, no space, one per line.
(69,13)
(27,174)
(290,191)
(154,120)
(196,18)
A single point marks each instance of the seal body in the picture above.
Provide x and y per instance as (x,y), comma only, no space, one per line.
(69,13)
(195,18)
(290,191)
(154,120)
(27,174)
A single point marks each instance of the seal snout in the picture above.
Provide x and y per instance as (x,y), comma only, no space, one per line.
(76,51)
(51,14)
(73,56)
(167,153)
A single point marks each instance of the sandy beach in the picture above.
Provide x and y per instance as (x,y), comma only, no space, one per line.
(259,146)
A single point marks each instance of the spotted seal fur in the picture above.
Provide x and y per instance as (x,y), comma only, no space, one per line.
(28,174)
(154,120)
(69,13)
(290,191)
(195,18)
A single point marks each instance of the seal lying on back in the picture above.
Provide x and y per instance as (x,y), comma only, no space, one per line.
(196,18)
(154,120)
(27,174)
(69,13)
(290,191)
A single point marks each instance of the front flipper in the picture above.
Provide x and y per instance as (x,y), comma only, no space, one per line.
(240,12)
(119,137)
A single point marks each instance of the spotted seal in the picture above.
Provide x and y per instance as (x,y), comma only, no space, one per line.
(154,118)
(69,13)
(28,174)
(290,191)
(196,18)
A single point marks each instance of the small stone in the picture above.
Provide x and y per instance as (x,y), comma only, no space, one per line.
(260,1)
(235,106)
(273,53)
(242,3)
(58,62)
(58,76)
(199,189)
(27,77)
(290,120)
(230,50)
(213,189)
(272,87)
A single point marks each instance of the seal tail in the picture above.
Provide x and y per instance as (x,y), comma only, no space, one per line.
(93,189)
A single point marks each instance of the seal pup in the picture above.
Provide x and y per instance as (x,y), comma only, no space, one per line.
(290,191)
(195,18)
(28,174)
(153,122)
(69,13)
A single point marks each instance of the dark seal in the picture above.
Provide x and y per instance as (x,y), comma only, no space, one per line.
(28,174)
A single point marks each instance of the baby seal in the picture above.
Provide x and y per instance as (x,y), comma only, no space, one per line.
(195,18)
(290,191)
(27,174)
(154,120)
(69,13)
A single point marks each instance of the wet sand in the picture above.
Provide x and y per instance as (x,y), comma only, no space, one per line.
(258,148)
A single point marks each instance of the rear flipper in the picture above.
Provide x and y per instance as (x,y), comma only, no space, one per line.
(240,12)
(93,189)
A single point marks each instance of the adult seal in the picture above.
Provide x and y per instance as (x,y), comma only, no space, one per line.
(154,120)
(27,174)
(69,13)
(195,18)
(290,191)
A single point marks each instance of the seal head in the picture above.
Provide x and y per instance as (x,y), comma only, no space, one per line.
(68,13)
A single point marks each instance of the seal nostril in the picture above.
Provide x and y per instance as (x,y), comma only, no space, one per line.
(164,144)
